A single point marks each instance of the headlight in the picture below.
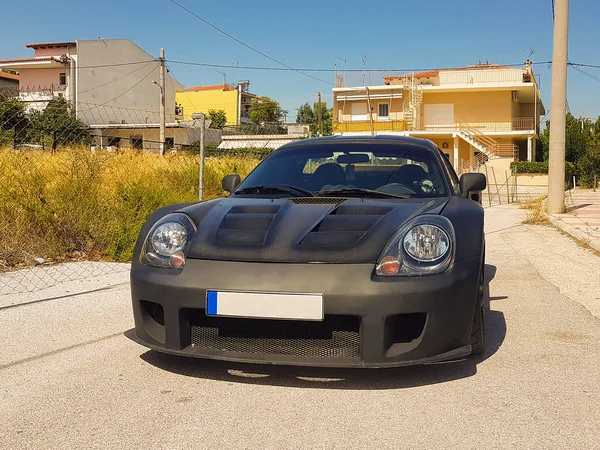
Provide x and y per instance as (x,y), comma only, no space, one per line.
(423,246)
(167,242)
(426,243)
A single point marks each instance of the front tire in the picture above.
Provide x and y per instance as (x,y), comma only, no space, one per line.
(478,325)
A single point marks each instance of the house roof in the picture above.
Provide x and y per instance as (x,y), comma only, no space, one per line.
(51,44)
(18,60)
(436,72)
(215,87)
(9,76)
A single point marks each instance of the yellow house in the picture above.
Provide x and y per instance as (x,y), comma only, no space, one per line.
(234,100)
(474,114)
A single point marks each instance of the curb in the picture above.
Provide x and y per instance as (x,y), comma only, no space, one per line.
(576,232)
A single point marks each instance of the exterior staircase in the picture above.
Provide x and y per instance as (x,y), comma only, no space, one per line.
(415,99)
(488,148)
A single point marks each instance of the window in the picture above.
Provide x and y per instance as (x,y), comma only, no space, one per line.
(384,111)
(169,143)
(137,142)
(114,142)
(392,168)
(62,78)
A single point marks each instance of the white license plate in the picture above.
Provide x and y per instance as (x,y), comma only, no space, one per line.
(264,305)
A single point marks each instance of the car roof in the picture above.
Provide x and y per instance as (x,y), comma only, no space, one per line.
(391,139)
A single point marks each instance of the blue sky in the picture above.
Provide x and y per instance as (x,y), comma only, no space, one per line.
(398,34)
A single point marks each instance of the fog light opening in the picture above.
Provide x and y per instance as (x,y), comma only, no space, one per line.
(177,260)
(389,265)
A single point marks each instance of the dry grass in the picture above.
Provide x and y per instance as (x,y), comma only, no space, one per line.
(76,203)
(535,214)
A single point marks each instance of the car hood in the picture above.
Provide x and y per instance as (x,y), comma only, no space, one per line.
(300,229)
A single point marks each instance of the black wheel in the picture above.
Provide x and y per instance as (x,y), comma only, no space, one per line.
(478,325)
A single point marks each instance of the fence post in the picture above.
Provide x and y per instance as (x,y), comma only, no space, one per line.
(201,177)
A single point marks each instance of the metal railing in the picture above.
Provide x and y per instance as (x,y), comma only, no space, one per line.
(451,123)
(383,125)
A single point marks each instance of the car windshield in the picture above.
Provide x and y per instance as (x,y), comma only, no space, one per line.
(356,169)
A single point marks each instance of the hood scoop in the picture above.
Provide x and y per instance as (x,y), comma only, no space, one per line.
(345,226)
(246,224)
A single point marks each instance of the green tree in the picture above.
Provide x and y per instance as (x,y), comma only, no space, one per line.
(13,119)
(578,136)
(582,147)
(265,110)
(218,118)
(59,124)
(310,116)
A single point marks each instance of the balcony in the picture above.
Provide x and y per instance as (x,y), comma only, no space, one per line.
(365,126)
(450,124)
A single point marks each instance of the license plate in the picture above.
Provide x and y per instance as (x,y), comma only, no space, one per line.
(264,305)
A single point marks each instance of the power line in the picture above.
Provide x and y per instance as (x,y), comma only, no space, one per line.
(593,66)
(284,69)
(587,74)
(116,79)
(129,89)
(246,45)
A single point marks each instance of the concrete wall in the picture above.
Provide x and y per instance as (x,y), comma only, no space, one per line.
(181,136)
(202,101)
(474,107)
(56,51)
(34,78)
(8,83)
(120,93)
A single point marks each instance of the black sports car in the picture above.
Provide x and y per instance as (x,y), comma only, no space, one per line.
(337,251)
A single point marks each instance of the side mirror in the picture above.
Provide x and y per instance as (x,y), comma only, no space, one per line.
(472,183)
(231,182)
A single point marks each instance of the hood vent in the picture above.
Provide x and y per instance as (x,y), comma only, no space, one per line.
(247,224)
(345,226)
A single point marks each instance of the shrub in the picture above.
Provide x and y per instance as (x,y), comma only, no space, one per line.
(588,167)
(539,167)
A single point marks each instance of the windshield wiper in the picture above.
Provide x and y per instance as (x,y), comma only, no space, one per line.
(358,192)
(275,189)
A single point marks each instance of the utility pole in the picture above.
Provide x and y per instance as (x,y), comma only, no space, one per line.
(558,102)
(320,117)
(201,177)
(369,111)
(162,100)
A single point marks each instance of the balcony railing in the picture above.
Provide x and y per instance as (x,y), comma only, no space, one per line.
(449,124)
(30,93)
(383,125)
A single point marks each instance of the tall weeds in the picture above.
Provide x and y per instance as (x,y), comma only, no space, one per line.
(79,204)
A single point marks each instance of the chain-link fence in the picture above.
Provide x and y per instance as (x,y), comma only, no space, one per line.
(75,191)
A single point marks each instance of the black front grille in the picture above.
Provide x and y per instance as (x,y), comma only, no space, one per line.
(334,337)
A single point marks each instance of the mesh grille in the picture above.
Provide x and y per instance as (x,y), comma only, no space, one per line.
(334,337)
(317,200)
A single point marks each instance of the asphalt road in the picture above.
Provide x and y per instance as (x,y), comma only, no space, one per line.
(70,379)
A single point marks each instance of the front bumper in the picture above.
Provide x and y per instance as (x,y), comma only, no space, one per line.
(369,321)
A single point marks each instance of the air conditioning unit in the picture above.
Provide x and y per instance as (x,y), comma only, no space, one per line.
(515,96)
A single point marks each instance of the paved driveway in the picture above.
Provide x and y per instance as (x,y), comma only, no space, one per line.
(70,379)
